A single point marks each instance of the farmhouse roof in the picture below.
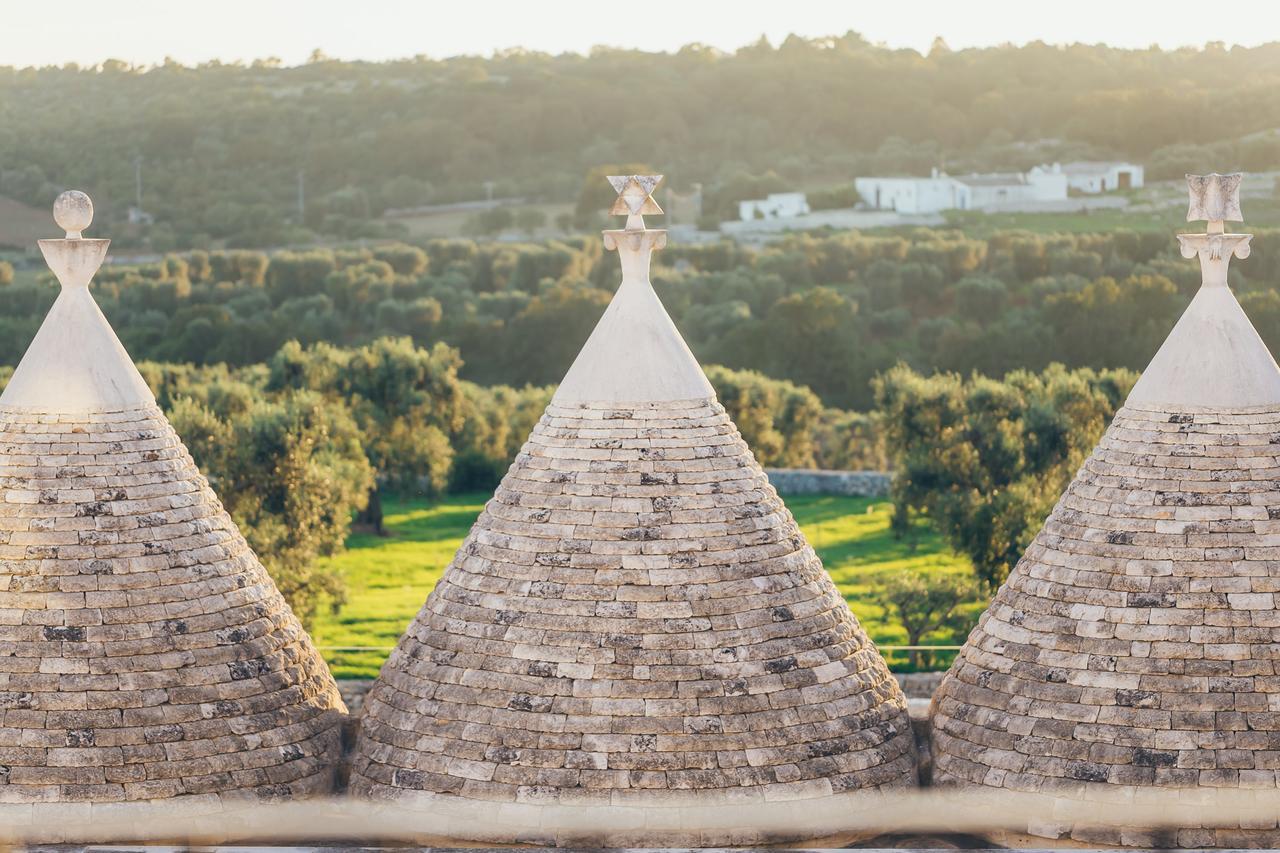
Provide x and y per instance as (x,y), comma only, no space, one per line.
(1092,167)
(993,179)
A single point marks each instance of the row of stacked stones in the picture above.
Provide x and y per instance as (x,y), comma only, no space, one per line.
(634,614)
(1134,645)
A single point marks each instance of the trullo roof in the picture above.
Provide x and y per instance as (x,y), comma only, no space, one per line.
(1134,643)
(635,612)
(147,654)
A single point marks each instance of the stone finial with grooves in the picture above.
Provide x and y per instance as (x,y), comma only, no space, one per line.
(635,354)
(1216,199)
(635,199)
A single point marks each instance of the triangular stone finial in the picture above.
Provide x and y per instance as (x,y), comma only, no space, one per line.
(635,198)
(635,353)
(1213,357)
(75,363)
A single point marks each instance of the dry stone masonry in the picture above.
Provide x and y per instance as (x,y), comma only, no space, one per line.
(635,613)
(1135,644)
(144,652)
(808,481)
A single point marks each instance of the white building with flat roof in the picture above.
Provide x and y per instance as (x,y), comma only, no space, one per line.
(910,194)
(995,190)
(940,191)
(1089,176)
(774,206)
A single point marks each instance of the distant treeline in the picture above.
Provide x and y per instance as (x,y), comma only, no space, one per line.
(221,147)
(825,312)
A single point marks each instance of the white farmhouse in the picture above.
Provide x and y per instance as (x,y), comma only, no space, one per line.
(912,194)
(940,191)
(1092,177)
(995,190)
(774,206)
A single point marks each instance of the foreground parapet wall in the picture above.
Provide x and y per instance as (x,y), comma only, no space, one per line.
(899,819)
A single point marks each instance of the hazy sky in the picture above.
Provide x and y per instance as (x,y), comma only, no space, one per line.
(42,32)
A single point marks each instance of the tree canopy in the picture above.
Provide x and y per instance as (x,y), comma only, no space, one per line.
(221,147)
(988,458)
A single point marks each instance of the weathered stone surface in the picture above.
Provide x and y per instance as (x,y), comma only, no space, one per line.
(146,651)
(1135,642)
(635,614)
(711,652)
(802,481)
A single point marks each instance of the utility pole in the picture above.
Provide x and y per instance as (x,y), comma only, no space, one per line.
(302,197)
(137,182)
(488,190)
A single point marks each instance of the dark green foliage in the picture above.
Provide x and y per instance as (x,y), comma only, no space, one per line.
(827,311)
(928,606)
(406,402)
(987,458)
(374,136)
(289,471)
(834,198)
(497,421)
(777,419)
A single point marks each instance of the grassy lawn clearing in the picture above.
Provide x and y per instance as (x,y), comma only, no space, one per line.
(388,578)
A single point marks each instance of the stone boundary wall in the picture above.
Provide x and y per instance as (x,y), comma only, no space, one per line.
(917,685)
(809,481)
(353,692)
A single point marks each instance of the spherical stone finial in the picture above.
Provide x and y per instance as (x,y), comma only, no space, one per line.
(73,211)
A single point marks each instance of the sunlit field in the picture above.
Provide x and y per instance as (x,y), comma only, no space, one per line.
(388,578)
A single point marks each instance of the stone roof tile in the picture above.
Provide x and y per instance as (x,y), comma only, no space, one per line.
(147,652)
(1133,644)
(635,611)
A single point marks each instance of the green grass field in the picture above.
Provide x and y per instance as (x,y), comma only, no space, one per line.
(388,578)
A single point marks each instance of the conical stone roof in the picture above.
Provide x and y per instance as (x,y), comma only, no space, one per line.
(635,613)
(1135,642)
(146,653)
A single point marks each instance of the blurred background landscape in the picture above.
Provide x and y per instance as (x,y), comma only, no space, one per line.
(353,283)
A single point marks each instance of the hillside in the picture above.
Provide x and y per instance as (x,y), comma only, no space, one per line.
(21,225)
(222,147)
